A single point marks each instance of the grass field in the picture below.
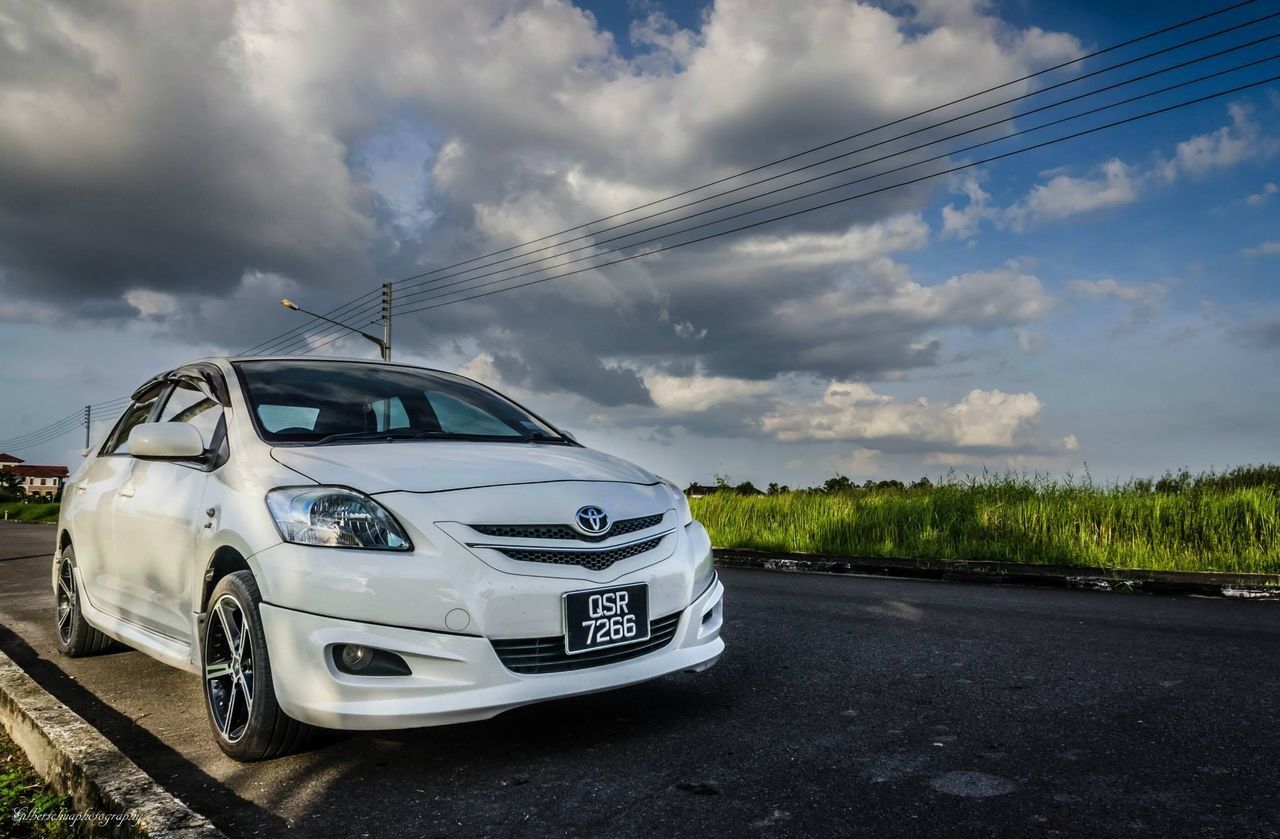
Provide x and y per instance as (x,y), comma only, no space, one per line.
(24,794)
(1212,522)
(35,512)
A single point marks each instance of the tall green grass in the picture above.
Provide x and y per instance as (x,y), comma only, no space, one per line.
(1202,524)
(33,512)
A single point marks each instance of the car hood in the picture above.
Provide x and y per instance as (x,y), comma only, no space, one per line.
(440,465)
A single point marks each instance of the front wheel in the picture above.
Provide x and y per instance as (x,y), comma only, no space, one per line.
(74,635)
(239,696)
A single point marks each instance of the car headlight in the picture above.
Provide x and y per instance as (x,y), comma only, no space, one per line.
(683,514)
(335,517)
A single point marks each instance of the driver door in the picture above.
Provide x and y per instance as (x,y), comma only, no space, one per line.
(158,514)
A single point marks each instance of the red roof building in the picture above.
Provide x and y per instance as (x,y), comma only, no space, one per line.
(43,481)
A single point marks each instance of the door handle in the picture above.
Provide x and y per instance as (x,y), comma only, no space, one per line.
(126,491)
(82,486)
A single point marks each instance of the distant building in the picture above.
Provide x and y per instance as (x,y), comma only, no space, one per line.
(37,481)
(698,490)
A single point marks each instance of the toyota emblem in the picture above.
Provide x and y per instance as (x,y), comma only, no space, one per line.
(592,521)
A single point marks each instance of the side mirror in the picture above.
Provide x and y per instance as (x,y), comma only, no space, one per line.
(569,435)
(166,440)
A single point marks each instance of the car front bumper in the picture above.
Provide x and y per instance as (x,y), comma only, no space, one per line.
(455,677)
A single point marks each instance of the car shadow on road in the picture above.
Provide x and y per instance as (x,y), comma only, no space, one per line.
(155,757)
(369,782)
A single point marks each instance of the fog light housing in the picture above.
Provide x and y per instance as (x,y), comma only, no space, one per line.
(355,657)
(359,660)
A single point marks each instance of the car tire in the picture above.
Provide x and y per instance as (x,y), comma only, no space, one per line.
(240,698)
(74,636)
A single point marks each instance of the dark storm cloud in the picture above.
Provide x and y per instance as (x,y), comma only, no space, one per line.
(204,159)
(145,164)
(549,364)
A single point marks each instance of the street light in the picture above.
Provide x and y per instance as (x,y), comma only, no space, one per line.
(384,343)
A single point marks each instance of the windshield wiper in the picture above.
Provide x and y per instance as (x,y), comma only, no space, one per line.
(539,436)
(389,434)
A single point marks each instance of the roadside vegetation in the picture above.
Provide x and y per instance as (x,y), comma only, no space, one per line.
(1215,521)
(28,808)
(35,511)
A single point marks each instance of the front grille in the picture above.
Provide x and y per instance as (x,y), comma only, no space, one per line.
(547,655)
(564,531)
(592,560)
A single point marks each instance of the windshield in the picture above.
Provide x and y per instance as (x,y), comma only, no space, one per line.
(322,402)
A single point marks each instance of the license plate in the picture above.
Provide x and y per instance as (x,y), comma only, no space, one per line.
(605,617)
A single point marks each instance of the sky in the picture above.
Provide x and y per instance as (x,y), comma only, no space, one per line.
(1106,305)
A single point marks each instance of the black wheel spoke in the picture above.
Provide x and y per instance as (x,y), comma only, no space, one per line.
(228,670)
(66,602)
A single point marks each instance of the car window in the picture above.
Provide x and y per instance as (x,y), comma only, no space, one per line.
(304,401)
(457,417)
(188,404)
(135,414)
(390,413)
(278,418)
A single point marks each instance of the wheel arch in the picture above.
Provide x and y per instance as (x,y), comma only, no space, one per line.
(225,560)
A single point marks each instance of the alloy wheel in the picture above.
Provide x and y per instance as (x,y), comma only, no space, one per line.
(228,668)
(66,601)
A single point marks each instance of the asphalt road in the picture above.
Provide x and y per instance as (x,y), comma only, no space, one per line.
(844,705)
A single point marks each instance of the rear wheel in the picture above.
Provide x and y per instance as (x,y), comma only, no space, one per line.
(74,635)
(239,696)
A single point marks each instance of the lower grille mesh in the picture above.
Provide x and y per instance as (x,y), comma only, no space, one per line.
(593,560)
(547,655)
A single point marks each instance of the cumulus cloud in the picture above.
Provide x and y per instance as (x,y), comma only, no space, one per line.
(1029,341)
(1229,145)
(1114,183)
(1262,196)
(157,157)
(963,222)
(1143,300)
(696,393)
(1264,249)
(852,411)
(858,244)
(1064,196)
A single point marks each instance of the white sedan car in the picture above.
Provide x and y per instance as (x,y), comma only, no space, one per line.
(357,545)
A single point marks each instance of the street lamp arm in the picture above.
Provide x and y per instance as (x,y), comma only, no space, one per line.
(289,304)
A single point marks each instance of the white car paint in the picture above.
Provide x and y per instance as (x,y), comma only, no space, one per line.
(146,533)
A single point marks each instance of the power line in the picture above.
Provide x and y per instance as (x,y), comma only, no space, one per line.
(56,428)
(920,179)
(856,135)
(46,439)
(596,242)
(439,293)
(432,291)
(298,331)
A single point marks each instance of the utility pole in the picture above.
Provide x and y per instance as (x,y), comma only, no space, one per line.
(386,322)
(88,419)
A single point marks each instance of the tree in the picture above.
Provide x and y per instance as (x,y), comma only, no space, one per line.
(840,483)
(10,486)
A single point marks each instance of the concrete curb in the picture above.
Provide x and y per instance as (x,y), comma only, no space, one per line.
(1244,586)
(78,761)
